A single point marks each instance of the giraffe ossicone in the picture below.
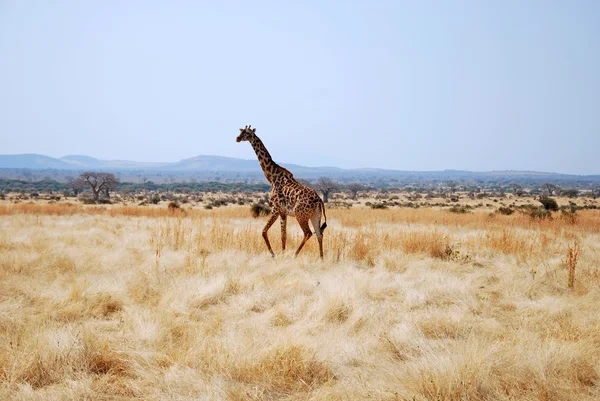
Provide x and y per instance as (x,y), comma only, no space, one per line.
(288,196)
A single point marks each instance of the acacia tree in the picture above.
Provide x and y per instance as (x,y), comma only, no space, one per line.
(304,182)
(452,185)
(76,185)
(354,187)
(571,193)
(100,183)
(326,186)
(550,189)
(517,189)
(111,183)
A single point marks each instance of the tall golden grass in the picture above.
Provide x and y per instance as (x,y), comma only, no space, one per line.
(125,302)
(588,220)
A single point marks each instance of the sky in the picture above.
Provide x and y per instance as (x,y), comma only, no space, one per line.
(407,85)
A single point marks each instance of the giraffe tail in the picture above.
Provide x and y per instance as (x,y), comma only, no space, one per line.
(324,225)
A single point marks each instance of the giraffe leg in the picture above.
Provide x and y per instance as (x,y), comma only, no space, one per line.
(272,219)
(316,222)
(283,230)
(307,233)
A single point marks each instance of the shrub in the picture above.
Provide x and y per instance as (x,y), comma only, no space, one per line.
(378,205)
(458,209)
(174,205)
(570,213)
(539,213)
(507,211)
(258,209)
(549,203)
(155,199)
(570,216)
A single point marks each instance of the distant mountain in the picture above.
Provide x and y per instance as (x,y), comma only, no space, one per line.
(81,161)
(221,163)
(87,162)
(206,164)
(214,163)
(32,161)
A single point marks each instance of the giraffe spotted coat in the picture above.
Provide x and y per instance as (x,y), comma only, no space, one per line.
(288,196)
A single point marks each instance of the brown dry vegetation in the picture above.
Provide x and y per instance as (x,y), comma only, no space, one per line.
(122,302)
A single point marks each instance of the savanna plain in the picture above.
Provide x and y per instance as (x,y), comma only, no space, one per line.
(151,303)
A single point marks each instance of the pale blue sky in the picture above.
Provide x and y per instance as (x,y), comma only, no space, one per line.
(410,85)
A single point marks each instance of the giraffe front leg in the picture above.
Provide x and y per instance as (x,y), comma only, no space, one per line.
(266,230)
(283,230)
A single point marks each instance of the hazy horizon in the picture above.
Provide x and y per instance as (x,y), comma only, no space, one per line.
(425,86)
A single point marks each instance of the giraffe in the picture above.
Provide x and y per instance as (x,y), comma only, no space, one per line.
(288,196)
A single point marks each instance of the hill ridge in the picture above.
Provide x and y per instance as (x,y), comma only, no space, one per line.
(219,163)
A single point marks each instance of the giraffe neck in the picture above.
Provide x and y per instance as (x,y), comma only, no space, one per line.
(269,167)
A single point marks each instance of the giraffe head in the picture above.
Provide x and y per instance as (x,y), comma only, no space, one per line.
(246,133)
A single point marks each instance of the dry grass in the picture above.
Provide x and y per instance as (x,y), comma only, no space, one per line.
(117,302)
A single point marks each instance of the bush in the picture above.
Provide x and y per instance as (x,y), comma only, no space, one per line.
(570,216)
(549,203)
(458,209)
(507,211)
(539,213)
(571,193)
(219,202)
(174,205)
(378,205)
(155,199)
(258,209)
(570,213)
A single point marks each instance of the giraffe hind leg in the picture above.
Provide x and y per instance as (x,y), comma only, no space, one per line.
(265,231)
(316,222)
(307,233)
